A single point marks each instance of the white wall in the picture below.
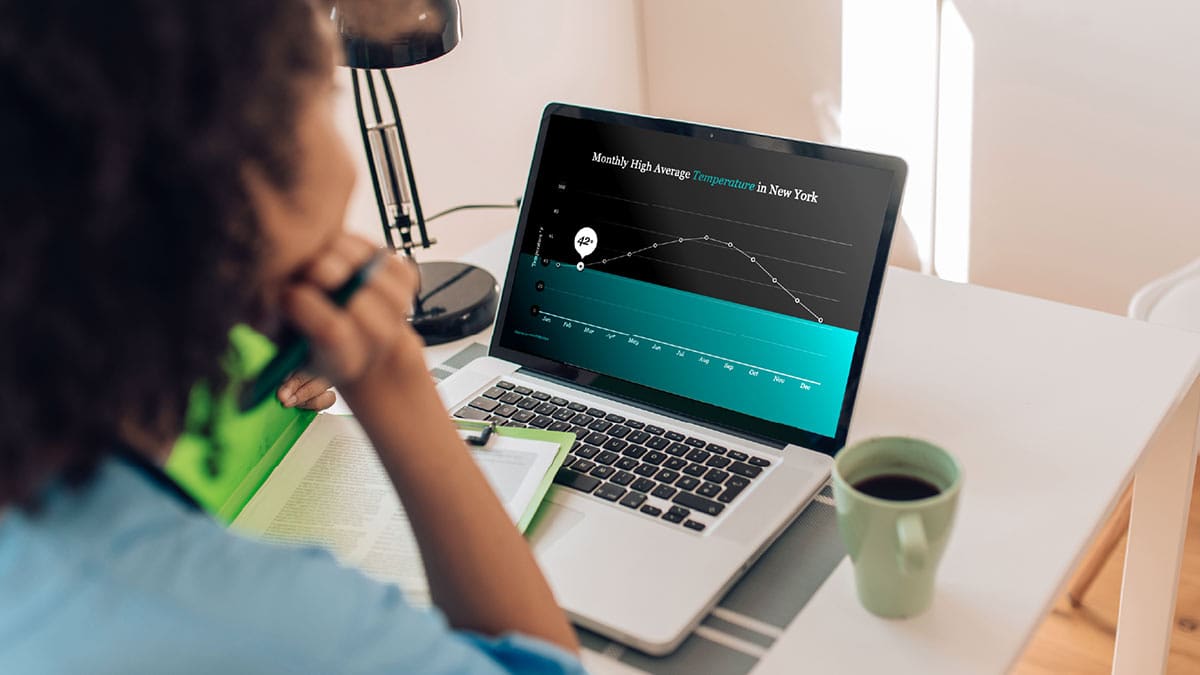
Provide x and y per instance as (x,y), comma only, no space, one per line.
(471,117)
(1086,145)
(769,66)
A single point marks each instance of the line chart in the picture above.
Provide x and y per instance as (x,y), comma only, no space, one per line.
(727,244)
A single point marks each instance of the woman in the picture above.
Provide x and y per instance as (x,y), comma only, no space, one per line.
(169,168)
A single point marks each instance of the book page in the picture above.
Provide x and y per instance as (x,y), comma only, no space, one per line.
(332,491)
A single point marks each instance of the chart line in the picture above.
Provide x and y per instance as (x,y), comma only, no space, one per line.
(681,347)
(627,226)
(727,244)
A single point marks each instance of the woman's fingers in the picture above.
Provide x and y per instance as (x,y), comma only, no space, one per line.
(321,401)
(340,348)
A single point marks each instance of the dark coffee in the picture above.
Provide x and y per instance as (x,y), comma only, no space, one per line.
(897,488)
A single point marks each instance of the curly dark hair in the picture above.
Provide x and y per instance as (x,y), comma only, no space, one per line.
(129,239)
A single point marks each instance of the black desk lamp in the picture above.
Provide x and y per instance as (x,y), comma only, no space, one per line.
(456,299)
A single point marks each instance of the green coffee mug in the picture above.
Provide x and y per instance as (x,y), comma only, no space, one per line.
(895,528)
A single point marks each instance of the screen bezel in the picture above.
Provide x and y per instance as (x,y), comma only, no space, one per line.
(706,413)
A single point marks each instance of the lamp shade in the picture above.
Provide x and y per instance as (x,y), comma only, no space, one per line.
(382,34)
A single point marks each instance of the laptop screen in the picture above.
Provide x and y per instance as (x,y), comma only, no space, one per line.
(732,274)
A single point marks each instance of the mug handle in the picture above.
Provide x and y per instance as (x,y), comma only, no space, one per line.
(914,547)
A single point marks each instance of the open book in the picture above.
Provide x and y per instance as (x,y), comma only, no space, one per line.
(331,490)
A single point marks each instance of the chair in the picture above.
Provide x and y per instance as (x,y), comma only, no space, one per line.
(1173,300)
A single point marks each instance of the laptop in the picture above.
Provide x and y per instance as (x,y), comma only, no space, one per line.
(694,303)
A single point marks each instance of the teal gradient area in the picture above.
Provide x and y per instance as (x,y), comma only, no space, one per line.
(772,366)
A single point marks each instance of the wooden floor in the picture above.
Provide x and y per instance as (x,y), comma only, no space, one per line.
(1080,641)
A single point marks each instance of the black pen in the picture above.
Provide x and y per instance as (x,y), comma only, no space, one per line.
(294,351)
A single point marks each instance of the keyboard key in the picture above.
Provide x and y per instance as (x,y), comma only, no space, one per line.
(569,460)
(471,414)
(596,412)
(511,397)
(579,432)
(687,483)
(676,463)
(558,401)
(577,407)
(708,490)
(600,425)
(676,514)
(558,426)
(596,438)
(541,422)
(546,409)
(737,455)
(717,449)
(564,415)
(759,461)
(485,404)
(505,410)
(717,461)
(524,391)
(494,418)
(619,431)
(729,494)
(584,465)
(503,384)
(638,437)
(614,418)
(736,482)
(674,436)
(695,470)
(694,525)
(716,476)
(699,503)
(583,419)
(678,449)
(664,491)
(627,463)
(695,442)
(646,470)
(606,457)
(587,451)
(574,479)
(634,451)
(667,476)
(657,431)
(654,457)
(528,403)
(634,424)
(698,455)
(523,416)
(642,485)
(657,443)
(622,478)
(609,492)
(602,471)
(746,470)
(494,392)
(633,500)
(615,444)
(541,395)
(651,510)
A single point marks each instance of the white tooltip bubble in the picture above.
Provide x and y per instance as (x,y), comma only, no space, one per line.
(585,242)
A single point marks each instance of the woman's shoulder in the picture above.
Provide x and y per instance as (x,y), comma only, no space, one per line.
(120,572)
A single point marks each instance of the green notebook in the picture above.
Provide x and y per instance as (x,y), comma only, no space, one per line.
(226,457)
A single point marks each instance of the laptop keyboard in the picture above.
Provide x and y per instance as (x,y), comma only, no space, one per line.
(662,473)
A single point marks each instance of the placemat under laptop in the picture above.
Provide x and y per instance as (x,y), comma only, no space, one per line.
(749,619)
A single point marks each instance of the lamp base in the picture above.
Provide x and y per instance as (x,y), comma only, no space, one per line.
(456,300)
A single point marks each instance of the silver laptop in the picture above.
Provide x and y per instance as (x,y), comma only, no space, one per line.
(694,304)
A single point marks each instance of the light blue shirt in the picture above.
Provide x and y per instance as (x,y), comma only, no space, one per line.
(122,577)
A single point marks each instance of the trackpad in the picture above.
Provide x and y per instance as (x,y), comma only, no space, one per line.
(552,525)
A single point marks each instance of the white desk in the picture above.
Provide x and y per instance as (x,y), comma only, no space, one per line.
(1052,410)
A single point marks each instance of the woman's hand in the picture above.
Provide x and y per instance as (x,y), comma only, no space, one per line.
(368,342)
(307,391)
